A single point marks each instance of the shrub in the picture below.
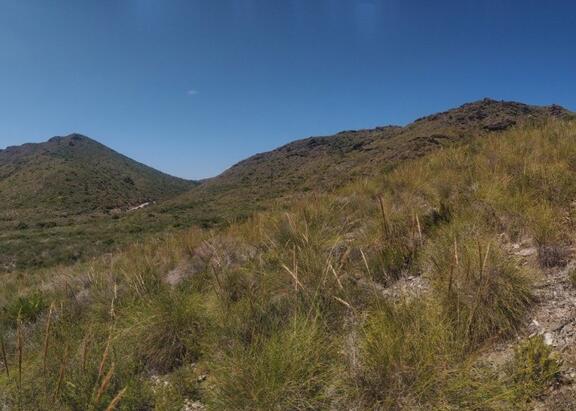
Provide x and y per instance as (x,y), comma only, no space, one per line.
(25,308)
(254,316)
(391,259)
(550,256)
(535,367)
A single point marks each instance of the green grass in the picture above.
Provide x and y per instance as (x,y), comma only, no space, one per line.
(291,369)
(484,294)
(405,351)
(285,310)
(535,367)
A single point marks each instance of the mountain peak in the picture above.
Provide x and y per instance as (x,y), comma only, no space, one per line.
(490,115)
(521,108)
(73,137)
(75,173)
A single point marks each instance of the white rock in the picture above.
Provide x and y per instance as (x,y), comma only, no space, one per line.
(526,252)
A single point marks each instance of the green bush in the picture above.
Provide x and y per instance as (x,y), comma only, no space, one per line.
(163,332)
(26,309)
(535,367)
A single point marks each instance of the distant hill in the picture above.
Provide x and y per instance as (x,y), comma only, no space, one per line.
(75,175)
(64,200)
(319,163)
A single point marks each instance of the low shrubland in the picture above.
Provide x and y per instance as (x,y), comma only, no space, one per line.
(289,308)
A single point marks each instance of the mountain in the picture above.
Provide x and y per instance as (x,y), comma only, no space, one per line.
(64,199)
(74,175)
(328,161)
(67,199)
(320,163)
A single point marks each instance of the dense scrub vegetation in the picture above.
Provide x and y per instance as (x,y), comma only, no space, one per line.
(292,309)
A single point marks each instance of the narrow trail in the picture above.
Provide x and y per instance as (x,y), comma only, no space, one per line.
(554,317)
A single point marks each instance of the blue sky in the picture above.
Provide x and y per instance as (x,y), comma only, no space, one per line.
(193,86)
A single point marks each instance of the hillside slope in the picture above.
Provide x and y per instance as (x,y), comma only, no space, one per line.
(331,161)
(447,283)
(59,194)
(320,163)
(62,200)
(74,175)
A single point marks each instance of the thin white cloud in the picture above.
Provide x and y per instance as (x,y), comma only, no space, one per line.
(192,92)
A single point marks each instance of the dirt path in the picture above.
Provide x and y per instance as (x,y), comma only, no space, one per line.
(553,317)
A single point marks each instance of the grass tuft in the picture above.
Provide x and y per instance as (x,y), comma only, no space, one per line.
(535,367)
(291,369)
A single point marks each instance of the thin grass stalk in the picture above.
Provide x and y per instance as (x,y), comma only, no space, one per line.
(112,307)
(483,262)
(294,276)
(385,224)
(84,355)
(480,259)
(214,256)
(294,270)
(61,374)
(104,359)
(104,385)
(345,303)
(116,400)
(456,259)
(306,234)
(336,277)
(4,356)
(419,227)
(450,279)
(416,222)
(20,349)
(47,338)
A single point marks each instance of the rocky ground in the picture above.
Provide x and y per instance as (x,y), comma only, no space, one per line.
(553,317)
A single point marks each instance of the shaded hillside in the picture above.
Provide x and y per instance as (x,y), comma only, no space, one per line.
(320,163)
(75,174)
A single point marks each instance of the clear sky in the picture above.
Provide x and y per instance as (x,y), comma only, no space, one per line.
(193,86)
